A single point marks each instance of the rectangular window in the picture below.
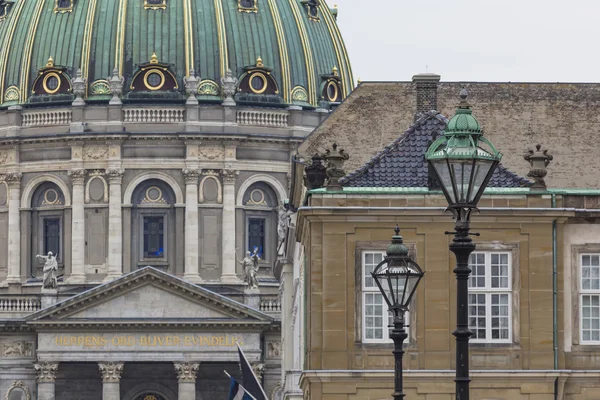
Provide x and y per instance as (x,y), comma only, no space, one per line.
(52,235)
(256,236)
(154,237)
(376,319)
(590,298)
(490,293)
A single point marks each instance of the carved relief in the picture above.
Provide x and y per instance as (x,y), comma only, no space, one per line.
(154,195)
(17,349)
(46,371)
(274,349)
(3,157)
(95,153)
(257,198)
(186,372)
(111,371)
(211,175)
(115,175)
(211,153)
(13,179)
(18,390)
(191,176)
(77,176)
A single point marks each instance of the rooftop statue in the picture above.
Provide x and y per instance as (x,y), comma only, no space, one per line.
(50,268)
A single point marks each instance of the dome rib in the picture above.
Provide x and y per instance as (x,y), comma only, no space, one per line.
(283,51)
(11,23)
(222,35)
(188,28)
(308,55)
(87,38)
(28,70)
(120,42)
(344,66)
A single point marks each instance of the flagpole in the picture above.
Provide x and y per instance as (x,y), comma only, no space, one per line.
(243,388)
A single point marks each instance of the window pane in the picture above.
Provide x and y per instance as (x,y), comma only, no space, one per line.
(590,272)
(52,235)
(477,265)
(477,318)
(372,259)
(590,317)
(154,237)
(256,236)
(499,320)
(375,316)
(499,271)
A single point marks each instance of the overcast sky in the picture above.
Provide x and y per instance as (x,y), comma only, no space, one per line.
(473,40)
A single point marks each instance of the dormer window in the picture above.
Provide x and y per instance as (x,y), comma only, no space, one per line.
(63,6)
(4,8)
(52,80)
(331,88)
(258,80)
(155,4)
(247,6)
(312,8)
(154,76)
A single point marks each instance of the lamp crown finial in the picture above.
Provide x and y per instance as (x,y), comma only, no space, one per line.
(397,230)
(464,94)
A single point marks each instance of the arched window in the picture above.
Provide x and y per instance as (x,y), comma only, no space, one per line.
(47,224)
(153,225)
(260,218)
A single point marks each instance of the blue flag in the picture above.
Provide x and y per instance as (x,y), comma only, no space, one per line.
(237,392)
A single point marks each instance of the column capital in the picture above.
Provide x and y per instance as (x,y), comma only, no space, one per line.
(229,176)
(13,179)
(191,176)
(77,176)
(259,369)
(111,371)
(46,371)
(115,175)
(186,372)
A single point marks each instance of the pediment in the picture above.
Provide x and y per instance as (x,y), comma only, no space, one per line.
(149,297)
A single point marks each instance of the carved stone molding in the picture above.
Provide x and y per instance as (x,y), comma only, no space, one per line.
(16,349)
(191,176)
(3,157)
(115,175)
(18,386)
(46,372)
(211,174)
(259,370)
(13,179)
(95,153)
(186,372)
(211,153)
(77,176)
(96,175)
(111,371)
(229,176)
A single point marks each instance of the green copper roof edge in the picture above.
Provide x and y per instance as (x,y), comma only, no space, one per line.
(424,190)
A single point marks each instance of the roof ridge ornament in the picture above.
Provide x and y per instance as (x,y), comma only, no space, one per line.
(50,63)
(538,160)
(259,62)
(154,58)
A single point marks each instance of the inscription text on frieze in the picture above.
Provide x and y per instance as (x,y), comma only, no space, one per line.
(102,341)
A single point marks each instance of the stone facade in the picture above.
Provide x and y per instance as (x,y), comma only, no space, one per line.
(334,230)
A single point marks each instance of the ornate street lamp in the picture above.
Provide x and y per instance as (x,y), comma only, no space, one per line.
(397,277)
(463,168)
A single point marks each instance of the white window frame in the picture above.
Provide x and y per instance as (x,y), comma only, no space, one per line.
(370,290)
(487,290)
(587,292)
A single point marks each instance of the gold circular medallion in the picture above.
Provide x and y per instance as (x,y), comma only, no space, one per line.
(51,82)
(51,197)
(154,79)
(261,82)
(332,91)
(154,194)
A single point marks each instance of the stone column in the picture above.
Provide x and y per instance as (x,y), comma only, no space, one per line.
(228,258)
(191,226)
(13,180)
(77,227)
(186,376)
(111,376)
(46,377)
(115,225)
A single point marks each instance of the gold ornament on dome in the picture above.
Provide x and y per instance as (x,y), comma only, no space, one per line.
(208,88)
(99,87)
(299,94)
(12,94)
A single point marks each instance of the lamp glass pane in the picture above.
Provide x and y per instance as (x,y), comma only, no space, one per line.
(461,171)
(482,169)
(443,171)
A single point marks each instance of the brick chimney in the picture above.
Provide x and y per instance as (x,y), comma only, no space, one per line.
(426,86)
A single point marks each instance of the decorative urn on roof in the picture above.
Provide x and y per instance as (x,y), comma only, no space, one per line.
(335,161)
(539,160)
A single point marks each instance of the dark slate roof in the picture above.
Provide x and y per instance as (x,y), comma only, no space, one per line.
(402,163)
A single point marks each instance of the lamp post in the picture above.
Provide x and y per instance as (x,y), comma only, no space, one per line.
(397,277)
(463,168)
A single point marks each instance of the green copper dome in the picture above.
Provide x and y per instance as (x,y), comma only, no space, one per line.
(298,41)
(463,120)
